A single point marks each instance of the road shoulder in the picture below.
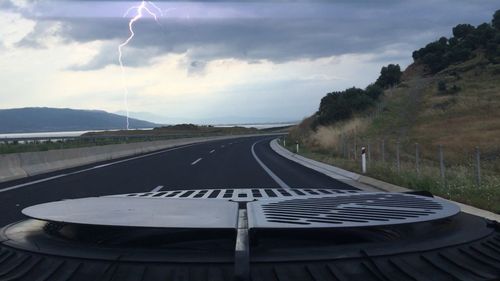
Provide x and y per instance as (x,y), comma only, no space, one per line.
(363,182)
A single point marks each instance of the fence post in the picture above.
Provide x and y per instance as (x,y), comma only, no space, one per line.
(343,147)
(348,149)
(369,154)
(383,150)
(441,163)
(339,146)
(398,163)
(417,159)
(478,166)
(355,149)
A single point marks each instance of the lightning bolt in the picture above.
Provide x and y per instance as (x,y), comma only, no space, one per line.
(140,10)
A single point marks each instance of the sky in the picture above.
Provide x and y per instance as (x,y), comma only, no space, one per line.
(211,61)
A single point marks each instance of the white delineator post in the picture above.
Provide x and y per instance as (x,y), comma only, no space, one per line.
(363,159)
(297,151)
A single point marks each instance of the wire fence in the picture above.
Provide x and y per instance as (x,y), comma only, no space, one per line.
(404,157)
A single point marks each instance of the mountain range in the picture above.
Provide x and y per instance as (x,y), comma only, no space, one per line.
(44,119)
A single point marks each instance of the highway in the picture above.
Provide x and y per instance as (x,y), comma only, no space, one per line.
(246,162)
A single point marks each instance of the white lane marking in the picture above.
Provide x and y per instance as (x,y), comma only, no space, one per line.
(102,166)
(222,146)
(33,182)
(92,168)
(156,189)
(195,162)
(280,182)
(212,151)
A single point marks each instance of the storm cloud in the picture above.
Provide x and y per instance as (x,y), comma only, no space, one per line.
(277,31)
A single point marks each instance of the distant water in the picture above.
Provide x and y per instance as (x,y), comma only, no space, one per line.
(79,133)
(43,135)
(258,126)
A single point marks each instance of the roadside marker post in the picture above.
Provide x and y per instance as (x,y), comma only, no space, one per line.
(363,159)
(297,150)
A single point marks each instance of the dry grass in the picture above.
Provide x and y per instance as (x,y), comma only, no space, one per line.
(329,137)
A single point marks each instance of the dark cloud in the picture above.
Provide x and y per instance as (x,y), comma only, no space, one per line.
(108,55)
(279,33)
(7,5)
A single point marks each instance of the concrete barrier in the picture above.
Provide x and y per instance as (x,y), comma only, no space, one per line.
(20,165)
(10,167)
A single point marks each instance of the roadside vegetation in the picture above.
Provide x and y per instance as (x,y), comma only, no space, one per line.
(443,107)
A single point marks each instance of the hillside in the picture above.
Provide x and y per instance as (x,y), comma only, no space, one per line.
(23,120)
(443,106)
(461,114)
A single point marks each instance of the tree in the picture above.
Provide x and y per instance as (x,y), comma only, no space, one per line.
(484,34)
(443,41)
(389,76)
(462,30)
(374,91)
(496,20)
(338,106)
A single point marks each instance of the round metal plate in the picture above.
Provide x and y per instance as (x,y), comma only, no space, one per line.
(348,210)
(140,212)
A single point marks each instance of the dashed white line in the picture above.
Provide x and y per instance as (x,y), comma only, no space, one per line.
(279,181)
(195,162)
(158,188)
(212,151)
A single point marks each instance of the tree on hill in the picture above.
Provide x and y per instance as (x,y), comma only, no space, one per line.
(462,30)
(496,20)
(389,76)
(465,41)
(338,106)
(374,91)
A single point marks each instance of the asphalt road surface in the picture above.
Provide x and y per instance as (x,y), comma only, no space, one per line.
(237,163)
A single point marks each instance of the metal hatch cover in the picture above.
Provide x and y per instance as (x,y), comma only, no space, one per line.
(140,212)
(348,210)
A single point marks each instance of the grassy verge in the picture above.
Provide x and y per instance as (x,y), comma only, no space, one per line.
(459,184)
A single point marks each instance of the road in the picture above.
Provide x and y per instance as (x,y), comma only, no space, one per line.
(237,163)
